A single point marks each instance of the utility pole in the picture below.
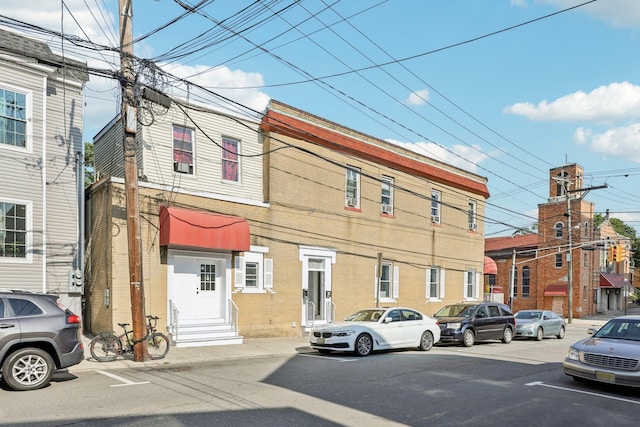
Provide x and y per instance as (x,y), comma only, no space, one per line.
(128,116)
(566,183)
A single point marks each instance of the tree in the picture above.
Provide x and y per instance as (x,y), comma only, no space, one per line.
(624,230)
(88,164)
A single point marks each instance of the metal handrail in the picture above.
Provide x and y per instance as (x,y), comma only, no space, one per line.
(174,315)
(234,314)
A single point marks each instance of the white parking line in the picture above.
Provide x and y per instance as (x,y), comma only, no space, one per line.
(124,381)
(540,383)
(335,359)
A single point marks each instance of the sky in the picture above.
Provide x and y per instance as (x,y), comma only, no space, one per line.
(507,89)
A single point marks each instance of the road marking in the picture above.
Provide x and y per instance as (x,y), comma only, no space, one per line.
(336,359)
(540,383)
(124,381)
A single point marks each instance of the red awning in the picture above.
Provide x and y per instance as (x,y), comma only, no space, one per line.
(556,291)
(490,266)
(196,229)
(611,280)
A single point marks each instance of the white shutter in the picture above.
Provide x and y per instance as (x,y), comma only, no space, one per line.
(442,283)
(428,283)
(396,282)
(268,273)
(477,287)
(239,272)
(375,282)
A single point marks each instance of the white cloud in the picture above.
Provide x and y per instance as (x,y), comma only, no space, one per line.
(461,156)
(418,98)
(622,142)
(604,104)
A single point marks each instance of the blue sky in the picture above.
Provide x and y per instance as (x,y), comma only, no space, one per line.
(506,89)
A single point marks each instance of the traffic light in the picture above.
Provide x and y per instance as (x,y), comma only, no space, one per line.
(615,254)
(610,254)
(622,252)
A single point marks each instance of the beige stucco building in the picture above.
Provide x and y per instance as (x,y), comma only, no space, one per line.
(265,227)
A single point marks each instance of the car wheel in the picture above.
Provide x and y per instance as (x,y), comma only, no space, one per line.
(539,334)
(507,336)
(28,369)
(364,345)
(561,333)
(426,341)
(468,338)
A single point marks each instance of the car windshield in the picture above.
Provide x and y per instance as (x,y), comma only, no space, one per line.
(456,310)
(365,316)
(528,315)
(625,329)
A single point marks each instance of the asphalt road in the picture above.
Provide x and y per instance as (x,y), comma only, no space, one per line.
(489,384)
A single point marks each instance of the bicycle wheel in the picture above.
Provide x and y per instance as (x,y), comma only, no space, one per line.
(157,346)
(105,347)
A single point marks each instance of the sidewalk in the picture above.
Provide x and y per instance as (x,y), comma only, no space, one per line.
(265,347)
(257,347)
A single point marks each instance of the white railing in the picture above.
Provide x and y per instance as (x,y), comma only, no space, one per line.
(174,315)
(310,313)
(331,312)
(234,314)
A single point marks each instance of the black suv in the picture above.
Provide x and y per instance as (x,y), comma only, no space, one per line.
(37,336)
(469,322)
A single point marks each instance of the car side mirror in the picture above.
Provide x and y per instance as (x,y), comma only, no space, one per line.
(388,319)
(592,330)
(479,316)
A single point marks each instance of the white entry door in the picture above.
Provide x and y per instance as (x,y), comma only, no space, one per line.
(198,287)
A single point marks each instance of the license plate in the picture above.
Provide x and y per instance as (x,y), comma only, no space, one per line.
(605,377)
(320,340)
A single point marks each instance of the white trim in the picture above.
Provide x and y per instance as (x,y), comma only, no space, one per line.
(28,148)
(45,162)
(28,259)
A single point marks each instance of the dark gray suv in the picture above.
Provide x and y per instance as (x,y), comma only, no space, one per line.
(37,336)
(469,322)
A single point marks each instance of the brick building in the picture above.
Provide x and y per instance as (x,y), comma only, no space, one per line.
(566,259)
(266,227)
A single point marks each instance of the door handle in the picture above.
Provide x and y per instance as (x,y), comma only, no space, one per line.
(6,326)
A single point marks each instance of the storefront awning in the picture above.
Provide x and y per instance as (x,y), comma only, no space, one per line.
(611,280)
(195,229)
(490,266)
(556,290)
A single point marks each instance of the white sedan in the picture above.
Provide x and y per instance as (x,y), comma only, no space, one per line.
(377,329)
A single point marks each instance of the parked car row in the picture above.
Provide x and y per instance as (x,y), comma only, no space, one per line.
(374,329)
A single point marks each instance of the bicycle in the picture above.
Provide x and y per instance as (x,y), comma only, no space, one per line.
(106,346)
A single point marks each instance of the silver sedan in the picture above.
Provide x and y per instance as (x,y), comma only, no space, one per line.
(539,324)
(611,355)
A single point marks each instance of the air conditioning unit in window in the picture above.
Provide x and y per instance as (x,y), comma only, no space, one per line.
(182,167)
(473,227)
(386,209)
(352,202)
(435,219)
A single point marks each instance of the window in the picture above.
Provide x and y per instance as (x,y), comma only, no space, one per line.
(207,277)
(559,229)
(387,291)
(494,311)
(436,198)
(470,284)
(386,195)
(13,230)
(473,225)
(13,118)
(251,271)
(433,282)
(254,272)
(558,260)
(24,308)
(230,160)
(526,281)
(182,150)
(352,188)
(515,281)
